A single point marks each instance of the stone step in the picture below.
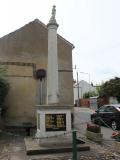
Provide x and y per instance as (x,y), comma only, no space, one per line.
(34,147)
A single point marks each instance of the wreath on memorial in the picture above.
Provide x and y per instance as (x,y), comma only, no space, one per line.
(93,128)
(116,135)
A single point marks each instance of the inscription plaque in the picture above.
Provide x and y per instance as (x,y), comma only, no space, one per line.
(55,122)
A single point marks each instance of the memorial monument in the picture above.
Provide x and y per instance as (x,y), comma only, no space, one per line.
(54,117)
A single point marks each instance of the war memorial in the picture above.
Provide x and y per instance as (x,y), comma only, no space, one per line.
(54,117)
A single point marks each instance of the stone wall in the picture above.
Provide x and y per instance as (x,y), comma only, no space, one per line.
(23,52)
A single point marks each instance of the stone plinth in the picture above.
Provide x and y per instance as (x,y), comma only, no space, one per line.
(96,137)
(53,120)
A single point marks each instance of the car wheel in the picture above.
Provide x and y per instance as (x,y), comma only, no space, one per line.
(114,125)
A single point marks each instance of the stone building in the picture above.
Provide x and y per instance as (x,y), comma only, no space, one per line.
(23,52)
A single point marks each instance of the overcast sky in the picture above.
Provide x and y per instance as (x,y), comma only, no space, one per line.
(93,26)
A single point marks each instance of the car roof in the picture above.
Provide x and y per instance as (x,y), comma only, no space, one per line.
(114,105)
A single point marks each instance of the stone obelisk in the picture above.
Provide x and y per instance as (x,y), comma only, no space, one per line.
(52,71)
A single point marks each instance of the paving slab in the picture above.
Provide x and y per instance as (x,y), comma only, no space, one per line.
(54,145)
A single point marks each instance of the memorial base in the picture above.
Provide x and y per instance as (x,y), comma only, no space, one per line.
(96,137)
(53,120)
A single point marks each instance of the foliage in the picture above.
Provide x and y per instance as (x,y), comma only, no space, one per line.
(111,88)
(98,90)
(3,90)
(4,86)
(90,94)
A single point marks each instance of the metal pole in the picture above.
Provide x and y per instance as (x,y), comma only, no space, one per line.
(89,84)
(40,91)
(74,142)
(78,91)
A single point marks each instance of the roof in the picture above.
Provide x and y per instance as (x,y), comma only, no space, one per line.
(37,21)
(82,81)
(115,105)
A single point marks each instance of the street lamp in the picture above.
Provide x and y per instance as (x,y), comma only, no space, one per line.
(78,93)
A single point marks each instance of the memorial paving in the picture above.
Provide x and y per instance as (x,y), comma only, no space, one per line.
(12,147)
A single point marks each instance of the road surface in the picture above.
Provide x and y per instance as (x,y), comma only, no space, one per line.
(82,116)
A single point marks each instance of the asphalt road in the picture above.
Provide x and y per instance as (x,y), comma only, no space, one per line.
(82,116)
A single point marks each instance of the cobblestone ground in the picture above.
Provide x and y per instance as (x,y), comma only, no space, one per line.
(88,157)
(13,148)
(97,152)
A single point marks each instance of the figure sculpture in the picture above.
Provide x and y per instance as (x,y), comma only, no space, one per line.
(53,12)
(52,19)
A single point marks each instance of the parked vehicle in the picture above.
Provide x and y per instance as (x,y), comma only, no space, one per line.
(108,115)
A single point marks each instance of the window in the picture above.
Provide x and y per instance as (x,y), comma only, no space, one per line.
(110,109)
(102,109)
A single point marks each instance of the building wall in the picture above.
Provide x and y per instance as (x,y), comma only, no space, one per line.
(23,52)
(84,87)
(65,72)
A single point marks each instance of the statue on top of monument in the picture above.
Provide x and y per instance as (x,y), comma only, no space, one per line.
(52,19)
(53,12)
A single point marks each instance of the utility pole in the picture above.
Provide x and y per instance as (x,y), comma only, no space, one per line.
(78,91)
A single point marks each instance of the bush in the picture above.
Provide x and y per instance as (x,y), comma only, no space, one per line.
(90,94)
(4,87)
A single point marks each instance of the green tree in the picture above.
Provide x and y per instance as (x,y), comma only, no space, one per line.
(90,94)
(4,87)
(111,88)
